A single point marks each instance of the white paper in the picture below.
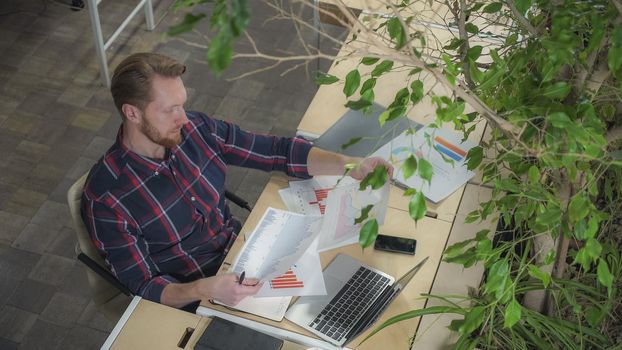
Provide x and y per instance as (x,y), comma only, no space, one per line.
(344,205)
(442,148)
(309,196)
(279,240)
(304,278)
(271,308)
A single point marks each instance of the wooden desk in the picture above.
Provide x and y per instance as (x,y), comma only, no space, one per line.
(153,326)
(431,236)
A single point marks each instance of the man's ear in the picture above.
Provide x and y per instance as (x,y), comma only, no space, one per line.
(132,113)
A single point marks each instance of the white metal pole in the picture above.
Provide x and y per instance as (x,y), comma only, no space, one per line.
(99,42)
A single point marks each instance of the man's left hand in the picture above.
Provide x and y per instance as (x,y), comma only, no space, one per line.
(367,165)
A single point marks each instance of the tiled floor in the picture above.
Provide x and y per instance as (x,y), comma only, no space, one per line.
(56,120)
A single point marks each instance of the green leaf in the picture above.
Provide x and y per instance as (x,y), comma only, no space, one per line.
(364,214)
(352,141)
(497,277)
(471,28)
(410,166)
(353,80)
(425,170)
(535,272)
(594,316)
(475,157)
(474,52)
(417,206)
(523,5)
(614,56)
(368,85)
(472,320)
(492,8)
(376,179)
(417,91)
(550,257)
(189,22)
(415,71)
(359,104)
(476,74)
(325,79)
(579,207)
(432,310)
(593,248)
(559,120)
(368,234)
(382,68)
(368,61)
(604,275)
(533,174)
(557,91)
(512,314)
(396,32)
(220,51)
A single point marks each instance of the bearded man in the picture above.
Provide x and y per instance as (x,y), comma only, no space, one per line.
(154,204)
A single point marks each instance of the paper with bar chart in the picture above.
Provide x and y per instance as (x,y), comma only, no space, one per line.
(304,278)
(442,148)
(280,239)
(309,196)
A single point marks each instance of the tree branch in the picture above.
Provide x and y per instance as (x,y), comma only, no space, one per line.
(521,19)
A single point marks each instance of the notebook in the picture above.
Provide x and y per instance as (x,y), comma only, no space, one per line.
(357,296)
(222,334)
(365,125)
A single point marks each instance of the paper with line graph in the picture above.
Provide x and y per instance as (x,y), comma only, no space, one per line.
(304,278)
(280,239)
(442,148)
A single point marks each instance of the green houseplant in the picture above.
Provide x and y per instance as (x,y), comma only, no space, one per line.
(549,89)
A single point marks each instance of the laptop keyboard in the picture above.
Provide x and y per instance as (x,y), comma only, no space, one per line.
(340,315)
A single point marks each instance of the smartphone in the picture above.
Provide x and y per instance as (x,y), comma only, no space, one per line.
(396,244)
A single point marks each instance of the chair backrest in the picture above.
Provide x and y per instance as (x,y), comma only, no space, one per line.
(108,298)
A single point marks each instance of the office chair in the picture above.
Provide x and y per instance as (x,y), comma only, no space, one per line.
(110,296)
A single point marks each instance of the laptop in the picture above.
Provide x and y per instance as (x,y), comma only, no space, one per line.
(365,125)
(357,295)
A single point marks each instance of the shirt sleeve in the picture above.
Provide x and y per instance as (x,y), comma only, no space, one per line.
(124,250)
(263,152)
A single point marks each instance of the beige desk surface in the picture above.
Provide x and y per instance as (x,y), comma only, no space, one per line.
(431,236)
(155,326)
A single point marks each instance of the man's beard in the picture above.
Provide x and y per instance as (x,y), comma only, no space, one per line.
(154,135)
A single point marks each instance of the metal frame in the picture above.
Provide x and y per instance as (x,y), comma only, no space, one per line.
(100,45)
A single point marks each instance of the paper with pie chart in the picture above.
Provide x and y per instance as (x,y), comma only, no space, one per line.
(445,151)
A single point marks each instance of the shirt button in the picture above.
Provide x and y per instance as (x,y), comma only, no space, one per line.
(173,156)
(174,173)
(157,173)
(193,199)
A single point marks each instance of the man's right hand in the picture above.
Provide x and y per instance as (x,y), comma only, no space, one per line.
(226,289)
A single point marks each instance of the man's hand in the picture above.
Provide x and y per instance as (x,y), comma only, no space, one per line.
(226,289)
(367,165)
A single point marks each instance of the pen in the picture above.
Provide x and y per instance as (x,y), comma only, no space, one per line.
(241,279)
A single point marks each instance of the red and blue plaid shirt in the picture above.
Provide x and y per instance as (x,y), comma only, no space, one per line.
(161,221)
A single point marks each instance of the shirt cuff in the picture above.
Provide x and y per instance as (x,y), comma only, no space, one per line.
(297,166)
(152,290)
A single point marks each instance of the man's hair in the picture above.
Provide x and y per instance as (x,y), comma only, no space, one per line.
(132,79)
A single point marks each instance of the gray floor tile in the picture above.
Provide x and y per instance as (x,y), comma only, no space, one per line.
(51,269)
(91,317)
(52,215)
(16,263)
(65,243)
(76,282)
(7,287)
(12,226)
(32,296)
(81,337)
(35,238)
(44,335)
(6,344)
(15,323)
(64,309)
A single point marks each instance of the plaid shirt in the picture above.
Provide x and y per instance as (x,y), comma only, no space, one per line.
(161,221)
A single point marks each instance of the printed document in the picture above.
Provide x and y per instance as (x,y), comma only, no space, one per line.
(445,151)
(309,196)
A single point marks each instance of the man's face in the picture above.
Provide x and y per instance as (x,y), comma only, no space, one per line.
(164,117)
